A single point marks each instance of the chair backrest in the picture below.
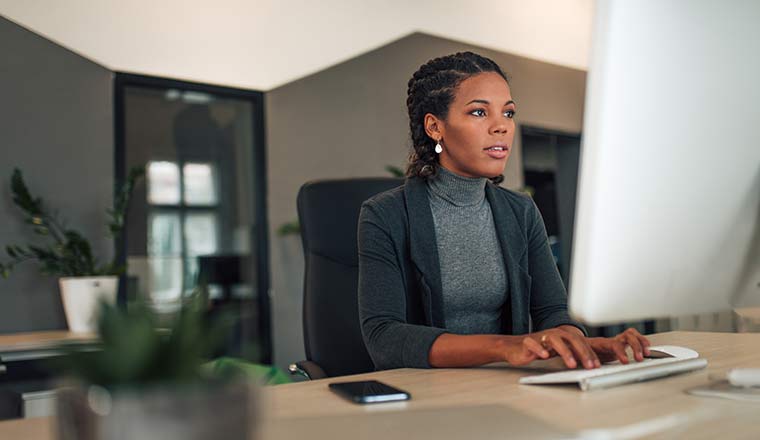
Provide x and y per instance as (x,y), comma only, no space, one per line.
(328,211)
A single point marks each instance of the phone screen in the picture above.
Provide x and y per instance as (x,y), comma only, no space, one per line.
(369,391)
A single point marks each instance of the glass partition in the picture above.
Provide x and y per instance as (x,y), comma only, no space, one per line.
(199,213)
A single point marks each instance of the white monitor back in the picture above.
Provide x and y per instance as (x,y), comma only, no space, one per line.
(669,187)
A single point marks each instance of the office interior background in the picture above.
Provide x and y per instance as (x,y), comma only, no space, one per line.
(331,80)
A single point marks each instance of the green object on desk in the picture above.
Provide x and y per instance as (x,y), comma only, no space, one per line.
(261,374)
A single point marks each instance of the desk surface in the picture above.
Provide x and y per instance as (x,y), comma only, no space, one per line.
(41,340)
(448,402)
(564,407)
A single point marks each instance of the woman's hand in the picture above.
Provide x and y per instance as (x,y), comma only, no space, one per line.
(569,343)
(610,349)
(523,350)
(574,348)
(565,341)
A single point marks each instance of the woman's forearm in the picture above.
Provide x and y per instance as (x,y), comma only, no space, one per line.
(453,351)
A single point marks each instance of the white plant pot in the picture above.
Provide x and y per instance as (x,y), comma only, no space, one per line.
(81,296)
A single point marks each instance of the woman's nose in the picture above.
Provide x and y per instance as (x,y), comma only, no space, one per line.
(499,127)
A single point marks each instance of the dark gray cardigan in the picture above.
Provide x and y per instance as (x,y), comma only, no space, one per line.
(400,293)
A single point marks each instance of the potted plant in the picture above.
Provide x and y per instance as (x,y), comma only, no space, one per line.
(143,381)
(67,254)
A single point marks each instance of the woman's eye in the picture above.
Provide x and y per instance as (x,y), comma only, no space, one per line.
(510,114)
(478,112)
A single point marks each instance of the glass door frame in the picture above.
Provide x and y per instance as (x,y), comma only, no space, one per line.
(259,190)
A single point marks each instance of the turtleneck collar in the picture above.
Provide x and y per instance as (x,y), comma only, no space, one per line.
(456,189)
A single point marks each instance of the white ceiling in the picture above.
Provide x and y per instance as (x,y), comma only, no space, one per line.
(262,44)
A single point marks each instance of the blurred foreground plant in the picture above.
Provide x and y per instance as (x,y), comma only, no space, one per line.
(133,351)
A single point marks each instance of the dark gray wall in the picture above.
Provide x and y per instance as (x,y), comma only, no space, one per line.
(568,162)
(56,124)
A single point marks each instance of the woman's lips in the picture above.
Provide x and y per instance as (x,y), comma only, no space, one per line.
(497,154)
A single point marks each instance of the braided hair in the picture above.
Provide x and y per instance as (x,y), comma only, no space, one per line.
(431,90)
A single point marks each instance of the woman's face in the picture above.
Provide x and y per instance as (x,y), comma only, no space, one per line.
(477,134)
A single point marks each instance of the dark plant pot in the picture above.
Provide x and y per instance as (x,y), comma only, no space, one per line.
(181,412)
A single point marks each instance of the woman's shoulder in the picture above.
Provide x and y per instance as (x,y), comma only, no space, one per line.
(387,204)
(388,198)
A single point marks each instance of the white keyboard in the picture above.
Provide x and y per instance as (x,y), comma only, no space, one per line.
(678,360)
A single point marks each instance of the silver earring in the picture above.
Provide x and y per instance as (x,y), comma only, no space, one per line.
(438,147)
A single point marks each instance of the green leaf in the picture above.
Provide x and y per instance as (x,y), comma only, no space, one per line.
(394,171)
(21,196)
(111,269)
(43,253)
(53,268)
(79,248)
(129,341)
(290,228)
(53,263)
(121,201)
(22,252)
(119,212)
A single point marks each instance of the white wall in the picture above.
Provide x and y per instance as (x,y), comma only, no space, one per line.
(262,44)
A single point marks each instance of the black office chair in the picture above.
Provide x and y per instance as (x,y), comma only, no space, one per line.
(328,211)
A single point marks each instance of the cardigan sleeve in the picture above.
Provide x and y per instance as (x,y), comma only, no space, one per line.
(390,340)
(548,297)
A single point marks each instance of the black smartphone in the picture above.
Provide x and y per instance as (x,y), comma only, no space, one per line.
(368,391)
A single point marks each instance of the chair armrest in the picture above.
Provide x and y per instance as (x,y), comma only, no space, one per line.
(308,369)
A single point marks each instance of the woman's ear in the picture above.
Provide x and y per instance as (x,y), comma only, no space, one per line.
(434,127)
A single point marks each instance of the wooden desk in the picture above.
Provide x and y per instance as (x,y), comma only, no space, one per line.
(20,371)
(21,346)
(564,407)
(482,402)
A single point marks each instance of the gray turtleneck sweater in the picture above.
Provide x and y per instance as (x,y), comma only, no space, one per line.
(472,267)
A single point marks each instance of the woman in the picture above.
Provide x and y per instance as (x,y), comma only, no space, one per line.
(451,265)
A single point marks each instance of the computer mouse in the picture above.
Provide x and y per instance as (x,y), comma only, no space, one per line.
(665,351)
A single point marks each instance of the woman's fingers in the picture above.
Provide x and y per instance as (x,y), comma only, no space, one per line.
(619,349)
(638,343)
(644,342)
(525,358)
(535,347)
(527,352)
(558,344)
(583,351)
(609,349)
(631,337)
(605,355)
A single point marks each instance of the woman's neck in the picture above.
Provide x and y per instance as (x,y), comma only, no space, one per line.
(456,189)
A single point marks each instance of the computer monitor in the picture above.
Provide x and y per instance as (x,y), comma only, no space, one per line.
(669,182)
